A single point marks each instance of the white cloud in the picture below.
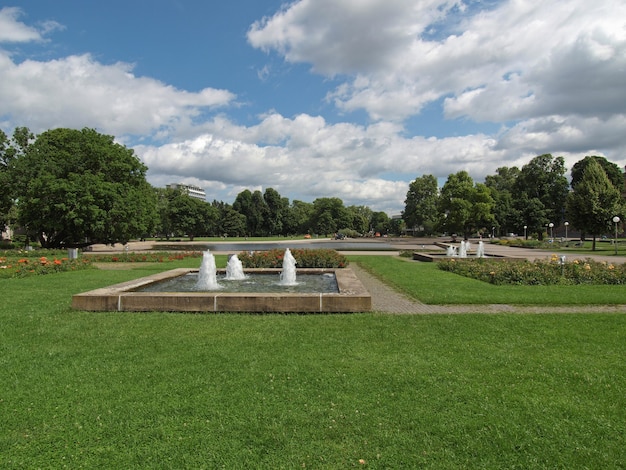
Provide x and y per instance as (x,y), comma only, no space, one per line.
(11,30)
(550,72)
(309,158)
(77,91)
(528,57)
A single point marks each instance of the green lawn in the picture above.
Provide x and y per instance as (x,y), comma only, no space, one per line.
(161,390)
(427,283)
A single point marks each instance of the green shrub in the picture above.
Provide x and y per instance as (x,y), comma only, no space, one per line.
(305,258)
(550,272)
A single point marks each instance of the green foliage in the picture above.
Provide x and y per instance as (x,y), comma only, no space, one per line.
(594,201)
(468,208)
(540,192)
(305,258)
(80,187)
(420,205)
(537,273)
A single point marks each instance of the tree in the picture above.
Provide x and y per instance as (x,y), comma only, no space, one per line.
(613,172)
(80,187)
(420,209)
(467,207)
(231,222)
(330,215)
(276,211)
(255,210)
(10,149)
(543,178)
(594,201)
(361,219)
(501,186)
(192,217)
(381,223)
(298,219)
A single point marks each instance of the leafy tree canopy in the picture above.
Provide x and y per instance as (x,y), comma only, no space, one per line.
(78,187)
(594,201)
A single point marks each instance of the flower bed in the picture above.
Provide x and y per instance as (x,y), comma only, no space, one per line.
(305,258)
(551,272)
(22,264)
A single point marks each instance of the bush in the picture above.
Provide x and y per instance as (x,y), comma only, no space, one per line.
(549,272)
(305,258)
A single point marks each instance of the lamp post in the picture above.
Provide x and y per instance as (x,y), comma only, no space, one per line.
(615,221)
(525,227)
(551,233)
(566,225)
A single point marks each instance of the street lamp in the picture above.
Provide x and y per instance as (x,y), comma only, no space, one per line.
(616,221)
(551,233)
(525,227)
(566,225)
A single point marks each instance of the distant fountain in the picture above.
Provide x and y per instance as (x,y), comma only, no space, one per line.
(480,251)
(207,276)
(234,269)
(288,275)
(451,251)
(463,249)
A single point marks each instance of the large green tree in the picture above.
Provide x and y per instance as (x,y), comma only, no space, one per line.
(298,218)
(612,170)
(192,217)
(466,208)
(594,201)
(330,215)
(542,179)
(501,186)
(10,149)
(276,205)
(78,187)
(420,205)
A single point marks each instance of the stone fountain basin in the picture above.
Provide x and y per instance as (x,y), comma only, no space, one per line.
(123,297)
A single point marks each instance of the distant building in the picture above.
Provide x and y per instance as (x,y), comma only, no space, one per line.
(192,191)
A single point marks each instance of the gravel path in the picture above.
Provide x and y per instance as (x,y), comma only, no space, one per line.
(387,300)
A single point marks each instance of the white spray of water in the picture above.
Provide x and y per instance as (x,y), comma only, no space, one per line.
(207,276)
(234,269)
(288,275)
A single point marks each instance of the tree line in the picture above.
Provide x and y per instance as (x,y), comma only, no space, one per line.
(73,188)
(525,200)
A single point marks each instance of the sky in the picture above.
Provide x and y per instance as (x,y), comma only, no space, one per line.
(352,99)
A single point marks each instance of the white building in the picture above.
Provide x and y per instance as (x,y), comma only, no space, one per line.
(192,191)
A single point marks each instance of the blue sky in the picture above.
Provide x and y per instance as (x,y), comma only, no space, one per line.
(322,98)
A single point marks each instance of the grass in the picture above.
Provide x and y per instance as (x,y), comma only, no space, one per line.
(427,283)
(161,390)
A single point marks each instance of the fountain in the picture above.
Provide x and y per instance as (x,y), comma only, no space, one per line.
(207,276)
(144,294)
(480,251)
(288,275)
(234,269)
(464,249)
